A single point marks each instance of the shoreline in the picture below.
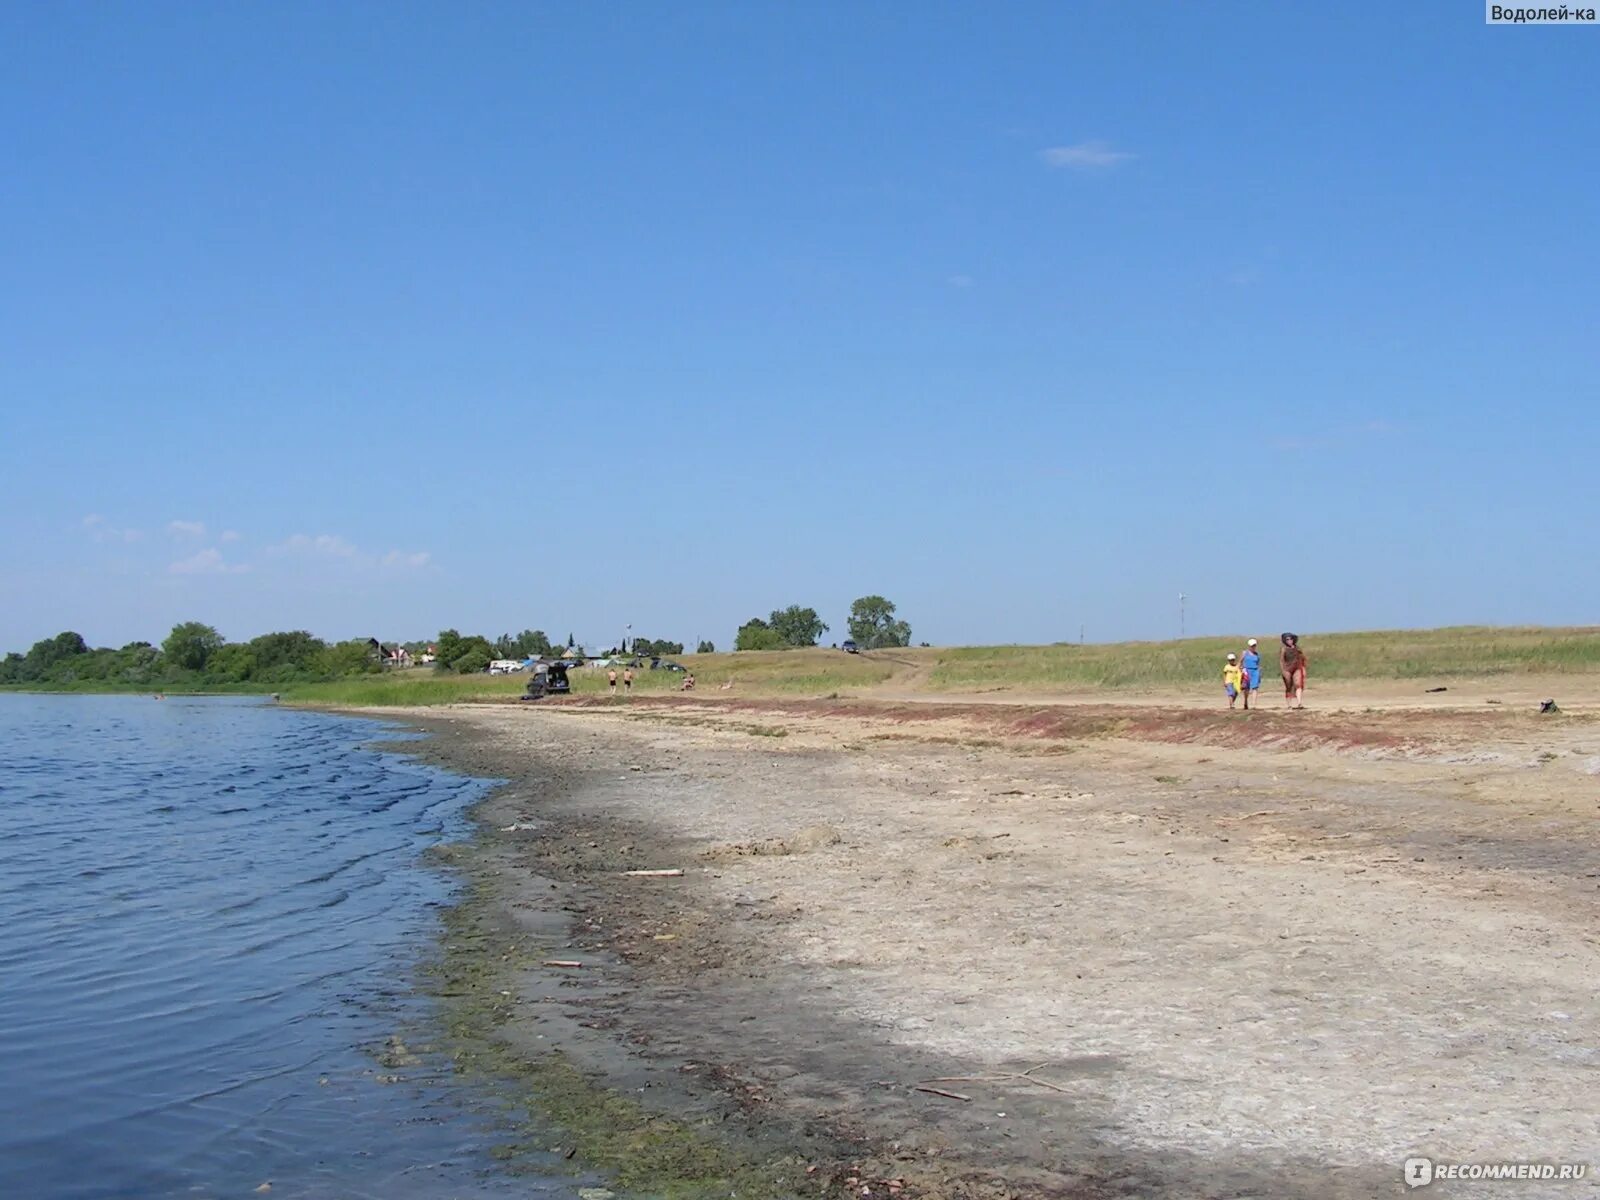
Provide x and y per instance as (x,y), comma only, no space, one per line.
(849,931)
(544,1037)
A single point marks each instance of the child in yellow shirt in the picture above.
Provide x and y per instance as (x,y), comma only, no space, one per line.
(1230,679)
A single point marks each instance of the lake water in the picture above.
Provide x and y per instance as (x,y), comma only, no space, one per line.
(211,913)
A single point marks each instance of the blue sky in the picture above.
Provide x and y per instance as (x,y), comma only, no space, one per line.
(378,318)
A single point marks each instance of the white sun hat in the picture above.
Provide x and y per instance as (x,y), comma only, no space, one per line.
(1251,642)
(1231,657)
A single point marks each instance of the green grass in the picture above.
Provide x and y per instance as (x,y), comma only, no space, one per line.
(1393,654)
(779,672)
(1398,654)
(102,687)
(406,688)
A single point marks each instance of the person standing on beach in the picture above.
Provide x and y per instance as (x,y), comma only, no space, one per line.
(1232,683)
(627,681)
(1292,661)
(1250,671)
(611,679)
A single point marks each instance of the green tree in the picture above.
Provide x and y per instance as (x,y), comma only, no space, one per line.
(705,647)
(475,659)
(45,658)
(446,649)
(353,657)
(528,643)
(190,645)
(652,648)
(872,624)
(286,655)
(756,634)
(137,664)
(453,650)
(797,626)
(231,663)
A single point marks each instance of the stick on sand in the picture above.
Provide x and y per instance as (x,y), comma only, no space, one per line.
(940,1092)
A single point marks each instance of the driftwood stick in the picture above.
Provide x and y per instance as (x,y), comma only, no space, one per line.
(674,871)
(1054,1087)
(562,962)
(933,1091)
(1025,1076)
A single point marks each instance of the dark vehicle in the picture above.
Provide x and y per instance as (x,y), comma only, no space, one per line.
(671,666)
(548,679)
(849,647)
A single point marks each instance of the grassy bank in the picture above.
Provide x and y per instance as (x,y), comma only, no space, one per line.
(1378,655)
(1387,655)
(99,687)
(777,672)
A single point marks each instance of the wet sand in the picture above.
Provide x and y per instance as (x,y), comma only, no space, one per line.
(1150,950)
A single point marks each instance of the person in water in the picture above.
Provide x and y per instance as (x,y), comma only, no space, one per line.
(1292,662)
(1250,671)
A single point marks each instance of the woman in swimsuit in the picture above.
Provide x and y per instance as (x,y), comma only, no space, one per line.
(1292,661)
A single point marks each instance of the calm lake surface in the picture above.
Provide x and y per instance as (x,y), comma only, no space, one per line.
(211,916)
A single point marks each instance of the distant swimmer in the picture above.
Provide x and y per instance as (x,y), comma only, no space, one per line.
(627,681)
(611,680)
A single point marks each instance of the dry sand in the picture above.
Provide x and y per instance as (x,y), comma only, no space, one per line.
(1162,952)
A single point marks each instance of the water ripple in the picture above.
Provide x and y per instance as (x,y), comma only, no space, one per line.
(204,902)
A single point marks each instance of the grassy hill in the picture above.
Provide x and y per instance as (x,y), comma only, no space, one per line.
(1394,654)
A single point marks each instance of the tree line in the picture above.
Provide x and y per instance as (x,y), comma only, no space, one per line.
(193,655)
(196,655)
(872,626)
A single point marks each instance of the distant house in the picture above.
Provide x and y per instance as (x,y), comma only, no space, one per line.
(389,656)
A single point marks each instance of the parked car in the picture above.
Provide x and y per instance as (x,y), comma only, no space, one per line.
(671,666)
(849,647)
(548,679)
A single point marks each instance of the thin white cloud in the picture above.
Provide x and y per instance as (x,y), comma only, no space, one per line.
(206,562)
(331,547)
(101,530)
(229,535)
(323,545)
(403,558)
(187,529)
(960,281)
(1093,155)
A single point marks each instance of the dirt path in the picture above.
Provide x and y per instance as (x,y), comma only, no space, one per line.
(1159,955)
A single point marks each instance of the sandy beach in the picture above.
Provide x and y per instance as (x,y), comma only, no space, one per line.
(1078,950)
